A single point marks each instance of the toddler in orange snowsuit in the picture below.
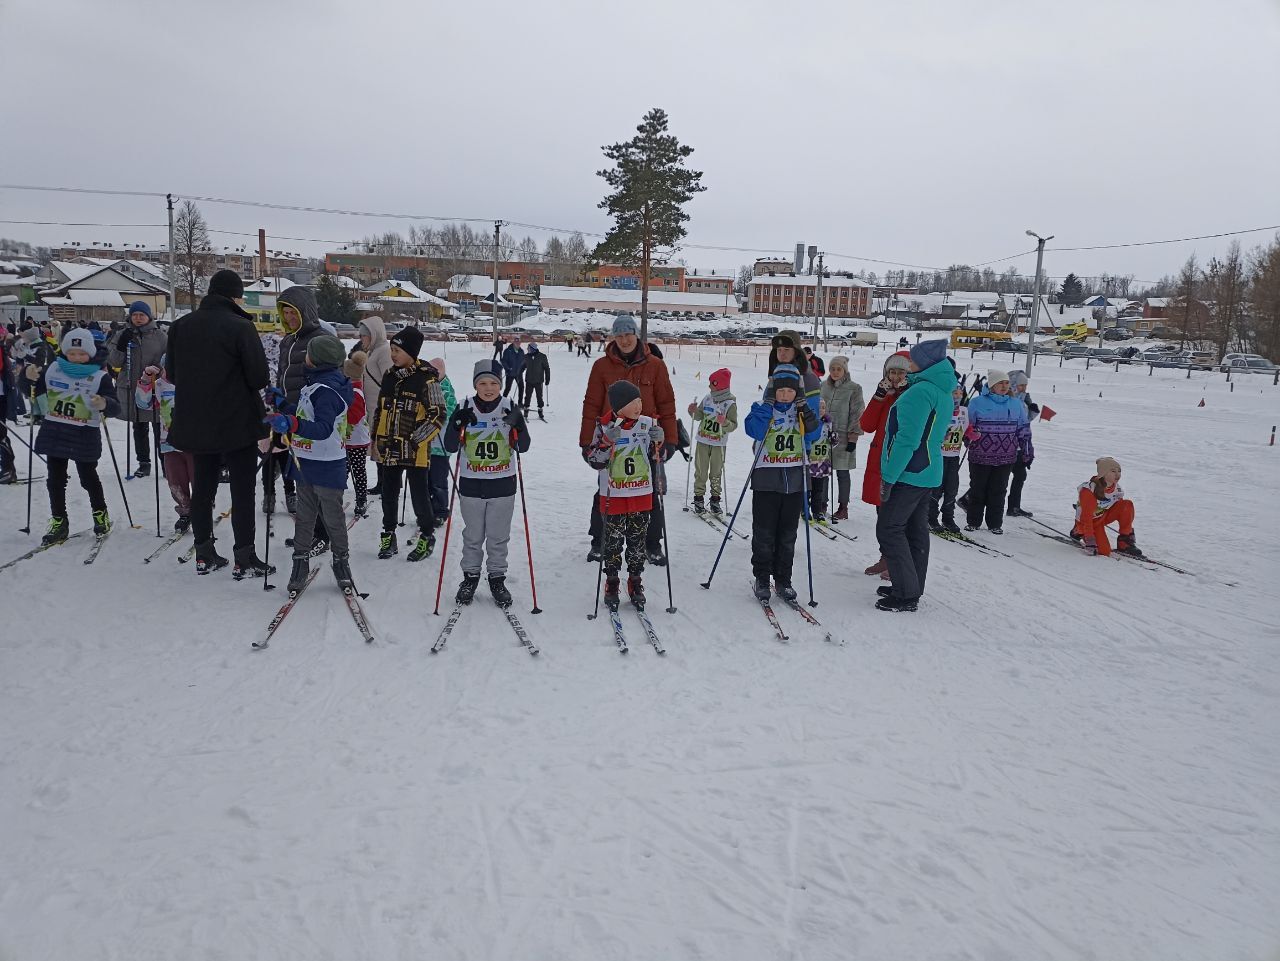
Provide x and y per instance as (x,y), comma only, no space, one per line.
(1101,501)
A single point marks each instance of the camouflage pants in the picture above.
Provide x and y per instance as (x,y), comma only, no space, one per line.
(628,528)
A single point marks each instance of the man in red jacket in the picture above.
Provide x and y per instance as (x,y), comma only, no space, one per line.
(628,358)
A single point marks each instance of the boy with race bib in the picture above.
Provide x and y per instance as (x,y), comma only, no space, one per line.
(79,392)
(715,418)
(490,430)
(318,430)
(624,450)
(781,428)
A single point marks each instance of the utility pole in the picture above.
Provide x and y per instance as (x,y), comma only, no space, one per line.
(173,267)
(1035,304)
(497,240)
(817,302)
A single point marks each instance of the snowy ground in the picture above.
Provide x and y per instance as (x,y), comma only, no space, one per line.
(1059,757)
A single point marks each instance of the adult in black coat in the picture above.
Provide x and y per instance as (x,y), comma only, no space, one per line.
(537,373)
(219,371)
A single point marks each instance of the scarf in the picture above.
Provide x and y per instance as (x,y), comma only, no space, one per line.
(77,370)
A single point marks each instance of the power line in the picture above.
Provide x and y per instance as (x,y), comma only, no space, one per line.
(63,223)
(1176,240)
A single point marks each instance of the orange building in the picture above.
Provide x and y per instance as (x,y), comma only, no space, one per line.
(628,278)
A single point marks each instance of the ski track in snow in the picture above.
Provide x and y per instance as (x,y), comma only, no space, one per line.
(1058,757)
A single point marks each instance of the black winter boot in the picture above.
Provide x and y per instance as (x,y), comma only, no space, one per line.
(761,589)
(298,576)
(635,590)
(208,559)
(342,573)
(611,584)
(498,588)
(1128,544)
(467,589)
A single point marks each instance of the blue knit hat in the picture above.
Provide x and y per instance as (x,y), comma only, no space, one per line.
(928,352)
(786,375)
(141,307)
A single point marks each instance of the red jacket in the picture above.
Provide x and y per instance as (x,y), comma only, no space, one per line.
(648,373)
(874,418)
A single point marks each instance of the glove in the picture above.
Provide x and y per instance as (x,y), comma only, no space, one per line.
(281,423)
(970,434)
(275,396)
(808,422)
(124,340)
(586,453)
(512,418)
(612,432)
(668,452)
(422,432)
(463,417)
(149,374)
(850,447)
(658,435)
(693,407)
(1027,463)
(98,402)
(885,491)
(882,388)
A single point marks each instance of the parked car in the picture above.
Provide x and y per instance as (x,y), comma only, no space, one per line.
(346,330)
(1178,358)
(1204,359)
(1076,350)
(1252,364)
(1116,333)
(1229,359)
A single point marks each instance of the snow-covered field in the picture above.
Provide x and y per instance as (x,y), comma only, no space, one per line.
(1058,757)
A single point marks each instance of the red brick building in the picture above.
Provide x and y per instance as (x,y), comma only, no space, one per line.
(790,295)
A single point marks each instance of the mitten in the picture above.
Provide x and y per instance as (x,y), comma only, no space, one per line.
(281,423)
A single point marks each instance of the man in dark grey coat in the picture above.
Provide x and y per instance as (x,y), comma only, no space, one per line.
(138,345)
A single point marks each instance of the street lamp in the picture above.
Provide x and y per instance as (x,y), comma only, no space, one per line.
(1035,304)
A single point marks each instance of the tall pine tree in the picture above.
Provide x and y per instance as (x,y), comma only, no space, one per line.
(1072,291)
(336,304)
(650,185)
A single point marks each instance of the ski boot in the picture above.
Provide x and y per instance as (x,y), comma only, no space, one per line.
(59,531)
(1090,546)
(342,573)
(656,557)
(291,502)
(820,517)
(362,507)
(1128,544)
(467,589)
(785,590)
(182,524)
(841,514)
(1019,512)
(422,548)
(972,527)
(595,554)
(715,505)
(498,588)
(897,604)
(885,590)
(249,564)
(298,576)
(611,592)
(143,469)
(935,526)
(635,590)
(950,526)
(699,505)
(208,559)
(101,523)
(9,476)
(387,546)
(761,589)
(996,530)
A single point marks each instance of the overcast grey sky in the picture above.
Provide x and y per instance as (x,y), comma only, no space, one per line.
(923,131)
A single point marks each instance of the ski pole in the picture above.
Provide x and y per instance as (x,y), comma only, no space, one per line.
(271,486)
(28,447)
(31,427)
(666,546)
(448,524)
(404,495)
(159,463)
(128,437)
(528,538)
(808,538)
(116,464)
(688,468)
(733,518)
(604,540)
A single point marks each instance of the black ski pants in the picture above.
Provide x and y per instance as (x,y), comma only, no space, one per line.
(241,465)
(987,485)
(419,493)
(902,528)
(775,519)
(945,495)
(56,484)
(1015,486)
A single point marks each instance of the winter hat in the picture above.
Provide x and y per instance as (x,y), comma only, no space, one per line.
(353,366)
(719,379)
(141,307)
(621,393)
(896,361)
(1107,463)
(325,350)
(786,338)
(996,376)
(839,360)
(1018,378)
(786,375)
(625,324)
(409,340)
(486,368)
(928,352)
(533,348)
(79,339)
(227,283)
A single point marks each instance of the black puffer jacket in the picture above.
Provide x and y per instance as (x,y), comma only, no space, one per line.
(291,373)
(219,371)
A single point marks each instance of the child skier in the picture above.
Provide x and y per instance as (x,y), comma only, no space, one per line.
(318,462)
(998,435)
(411,412)
(359,439)
(820,469)
(79,393)
(179,467)
(487,427)
(952,445)
(625,449)
(716,418)
(1018,388)
(1101,501)
(780,426)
